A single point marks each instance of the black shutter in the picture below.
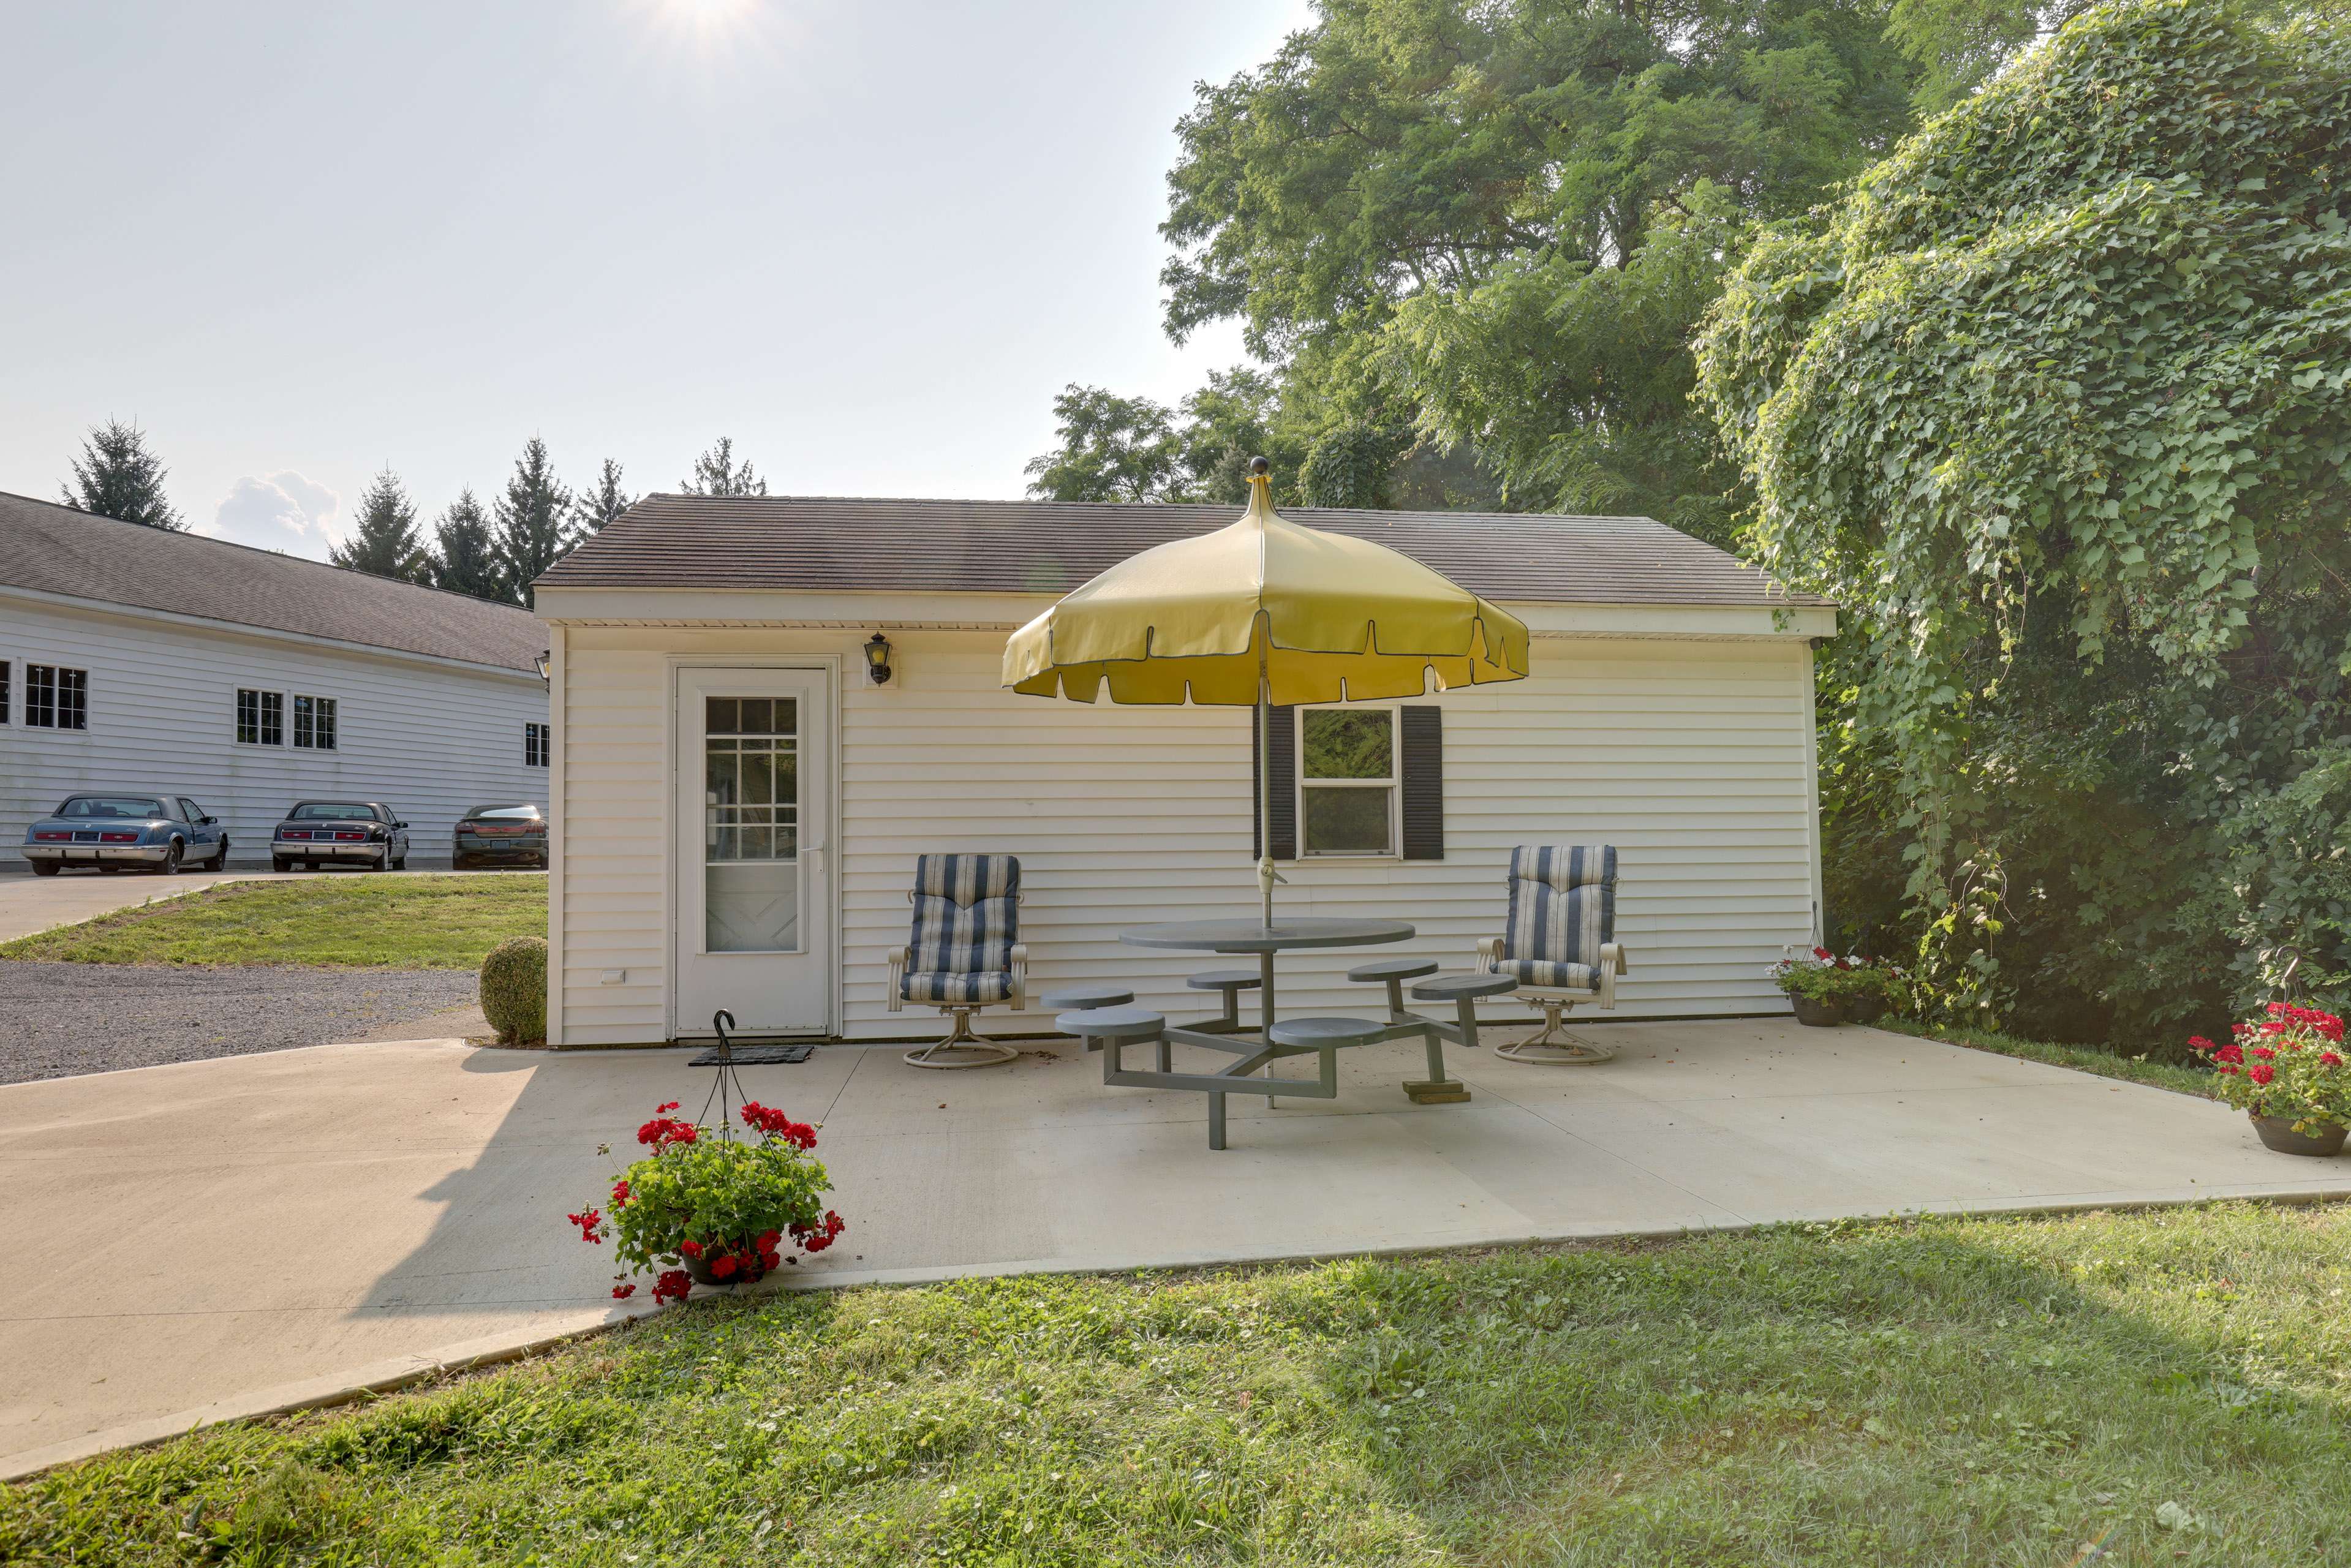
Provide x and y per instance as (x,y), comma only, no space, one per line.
(1424,783)
(1281,731)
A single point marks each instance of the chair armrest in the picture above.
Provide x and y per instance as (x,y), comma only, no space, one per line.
(897,958)
(1612,963)
(1490,955)
(1019,977)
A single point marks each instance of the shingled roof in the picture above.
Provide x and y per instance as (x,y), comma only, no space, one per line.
(823,544)
(56,549)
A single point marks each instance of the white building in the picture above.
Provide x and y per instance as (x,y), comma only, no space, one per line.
(157,663)
(1669,713)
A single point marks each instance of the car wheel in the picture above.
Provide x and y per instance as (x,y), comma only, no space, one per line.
(44,868)
(382,861)
(170,865)
(399,864)
(220,860)
(280,864)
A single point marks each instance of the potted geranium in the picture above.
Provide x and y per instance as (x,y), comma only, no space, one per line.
(1826,989)
(714,1208)
(2287,1071)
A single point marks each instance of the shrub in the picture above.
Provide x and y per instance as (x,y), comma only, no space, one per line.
(514,989)
(714,1205)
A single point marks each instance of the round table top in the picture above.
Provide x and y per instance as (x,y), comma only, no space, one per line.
(1249,937)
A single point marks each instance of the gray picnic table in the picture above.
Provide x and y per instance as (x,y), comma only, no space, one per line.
(1111,1028)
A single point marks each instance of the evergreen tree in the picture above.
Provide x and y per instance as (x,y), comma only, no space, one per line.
(534,521)
(385,539)
(465,556)
(602,501)
(116,476)
(715,473)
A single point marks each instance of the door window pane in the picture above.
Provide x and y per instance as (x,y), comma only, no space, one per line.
(751,880)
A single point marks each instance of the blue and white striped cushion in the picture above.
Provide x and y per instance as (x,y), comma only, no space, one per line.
(966,918)
(1563,908)
(990,986)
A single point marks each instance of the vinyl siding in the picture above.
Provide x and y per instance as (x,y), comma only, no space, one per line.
(428,740)
(1692,757)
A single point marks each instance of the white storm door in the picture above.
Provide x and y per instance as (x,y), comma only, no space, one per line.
(754,878)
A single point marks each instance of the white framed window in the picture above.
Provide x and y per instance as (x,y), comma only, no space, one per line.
(1348,780)
(314,723)
(538,745)
(260,717)
(57,697)
(8,693)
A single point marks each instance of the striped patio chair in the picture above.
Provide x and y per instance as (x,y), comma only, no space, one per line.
(1560,943)
(964,953)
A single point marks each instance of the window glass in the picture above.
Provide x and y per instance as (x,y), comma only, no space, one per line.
(493,813)
(1346,764)
(132,808)
(314,723)
(750,777)
(191,810)
(333,812)
(6,703)
(57,697)
(538,745)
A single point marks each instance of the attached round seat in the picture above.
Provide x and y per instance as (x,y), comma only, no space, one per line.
(1227,981)
(1121,1023)
(1455,987)
(1393,969)
(1081,998)
(1322,1033)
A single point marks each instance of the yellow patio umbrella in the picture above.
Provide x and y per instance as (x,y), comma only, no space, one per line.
(1264,611)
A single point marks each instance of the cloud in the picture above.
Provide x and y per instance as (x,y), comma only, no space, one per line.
(283,512)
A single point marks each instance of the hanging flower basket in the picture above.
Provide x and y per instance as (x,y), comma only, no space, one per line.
(2286,1070)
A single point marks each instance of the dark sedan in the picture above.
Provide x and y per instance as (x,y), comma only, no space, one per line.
(340,832)
(504,835)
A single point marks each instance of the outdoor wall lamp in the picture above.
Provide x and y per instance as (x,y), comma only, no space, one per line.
(545,658)
(877,659)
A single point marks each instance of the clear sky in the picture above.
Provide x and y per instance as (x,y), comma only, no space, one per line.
(297,242)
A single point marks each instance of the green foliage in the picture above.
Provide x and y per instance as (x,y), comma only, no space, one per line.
(1939,1393)
(2053,403)
(116,476)
(534,521)
(717,472)
(1502,220)
(1112,448)
(600,502)
(464,552)
(514,989)
(384,538)
(1960,44)
(1349,466)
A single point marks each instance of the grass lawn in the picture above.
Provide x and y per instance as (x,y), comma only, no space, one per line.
(2172,1386)
(2091,1058)
(386,922)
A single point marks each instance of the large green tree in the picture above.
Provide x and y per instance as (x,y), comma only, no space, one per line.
(1113,448)
(385,539)
(2056,402)
(465,554)
(534,520)
(1503,220)
(116,476)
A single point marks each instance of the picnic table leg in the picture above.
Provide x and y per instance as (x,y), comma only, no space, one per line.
(1216,1121)
(1439,1090)
(1265,1016)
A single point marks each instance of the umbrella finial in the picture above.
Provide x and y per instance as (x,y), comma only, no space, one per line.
(1259,467)
(1261,483)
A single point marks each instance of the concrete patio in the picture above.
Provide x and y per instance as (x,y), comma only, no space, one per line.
(198,1241)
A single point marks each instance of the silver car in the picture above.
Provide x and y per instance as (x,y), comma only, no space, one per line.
(154,833)
(340,832)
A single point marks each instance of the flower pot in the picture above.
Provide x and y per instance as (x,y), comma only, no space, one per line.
(746,1269)
(1815,1010)
(1864,1009)
(2277,1133)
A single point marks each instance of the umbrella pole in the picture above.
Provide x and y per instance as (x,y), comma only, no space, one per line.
(1265,794)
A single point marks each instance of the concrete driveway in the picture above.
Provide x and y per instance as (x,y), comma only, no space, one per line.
(197,1241)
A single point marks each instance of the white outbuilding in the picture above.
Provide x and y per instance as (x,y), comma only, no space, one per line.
(169,664)
(824,675)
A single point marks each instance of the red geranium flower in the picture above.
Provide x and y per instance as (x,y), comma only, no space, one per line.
(2260,1072)
(2329,1059)
(623,1292)
(691,1249)
(721,1267)
(2263,1053)
(672,1285)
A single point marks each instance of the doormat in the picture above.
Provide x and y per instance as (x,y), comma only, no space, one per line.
(757,1055)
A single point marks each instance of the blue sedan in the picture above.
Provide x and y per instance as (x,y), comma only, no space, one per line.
(157,833)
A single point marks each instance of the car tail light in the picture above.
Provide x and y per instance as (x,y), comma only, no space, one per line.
(117,838)
(345,836)
(293,832)
(53,837)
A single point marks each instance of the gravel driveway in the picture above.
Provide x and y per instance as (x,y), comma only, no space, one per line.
(58,1019)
